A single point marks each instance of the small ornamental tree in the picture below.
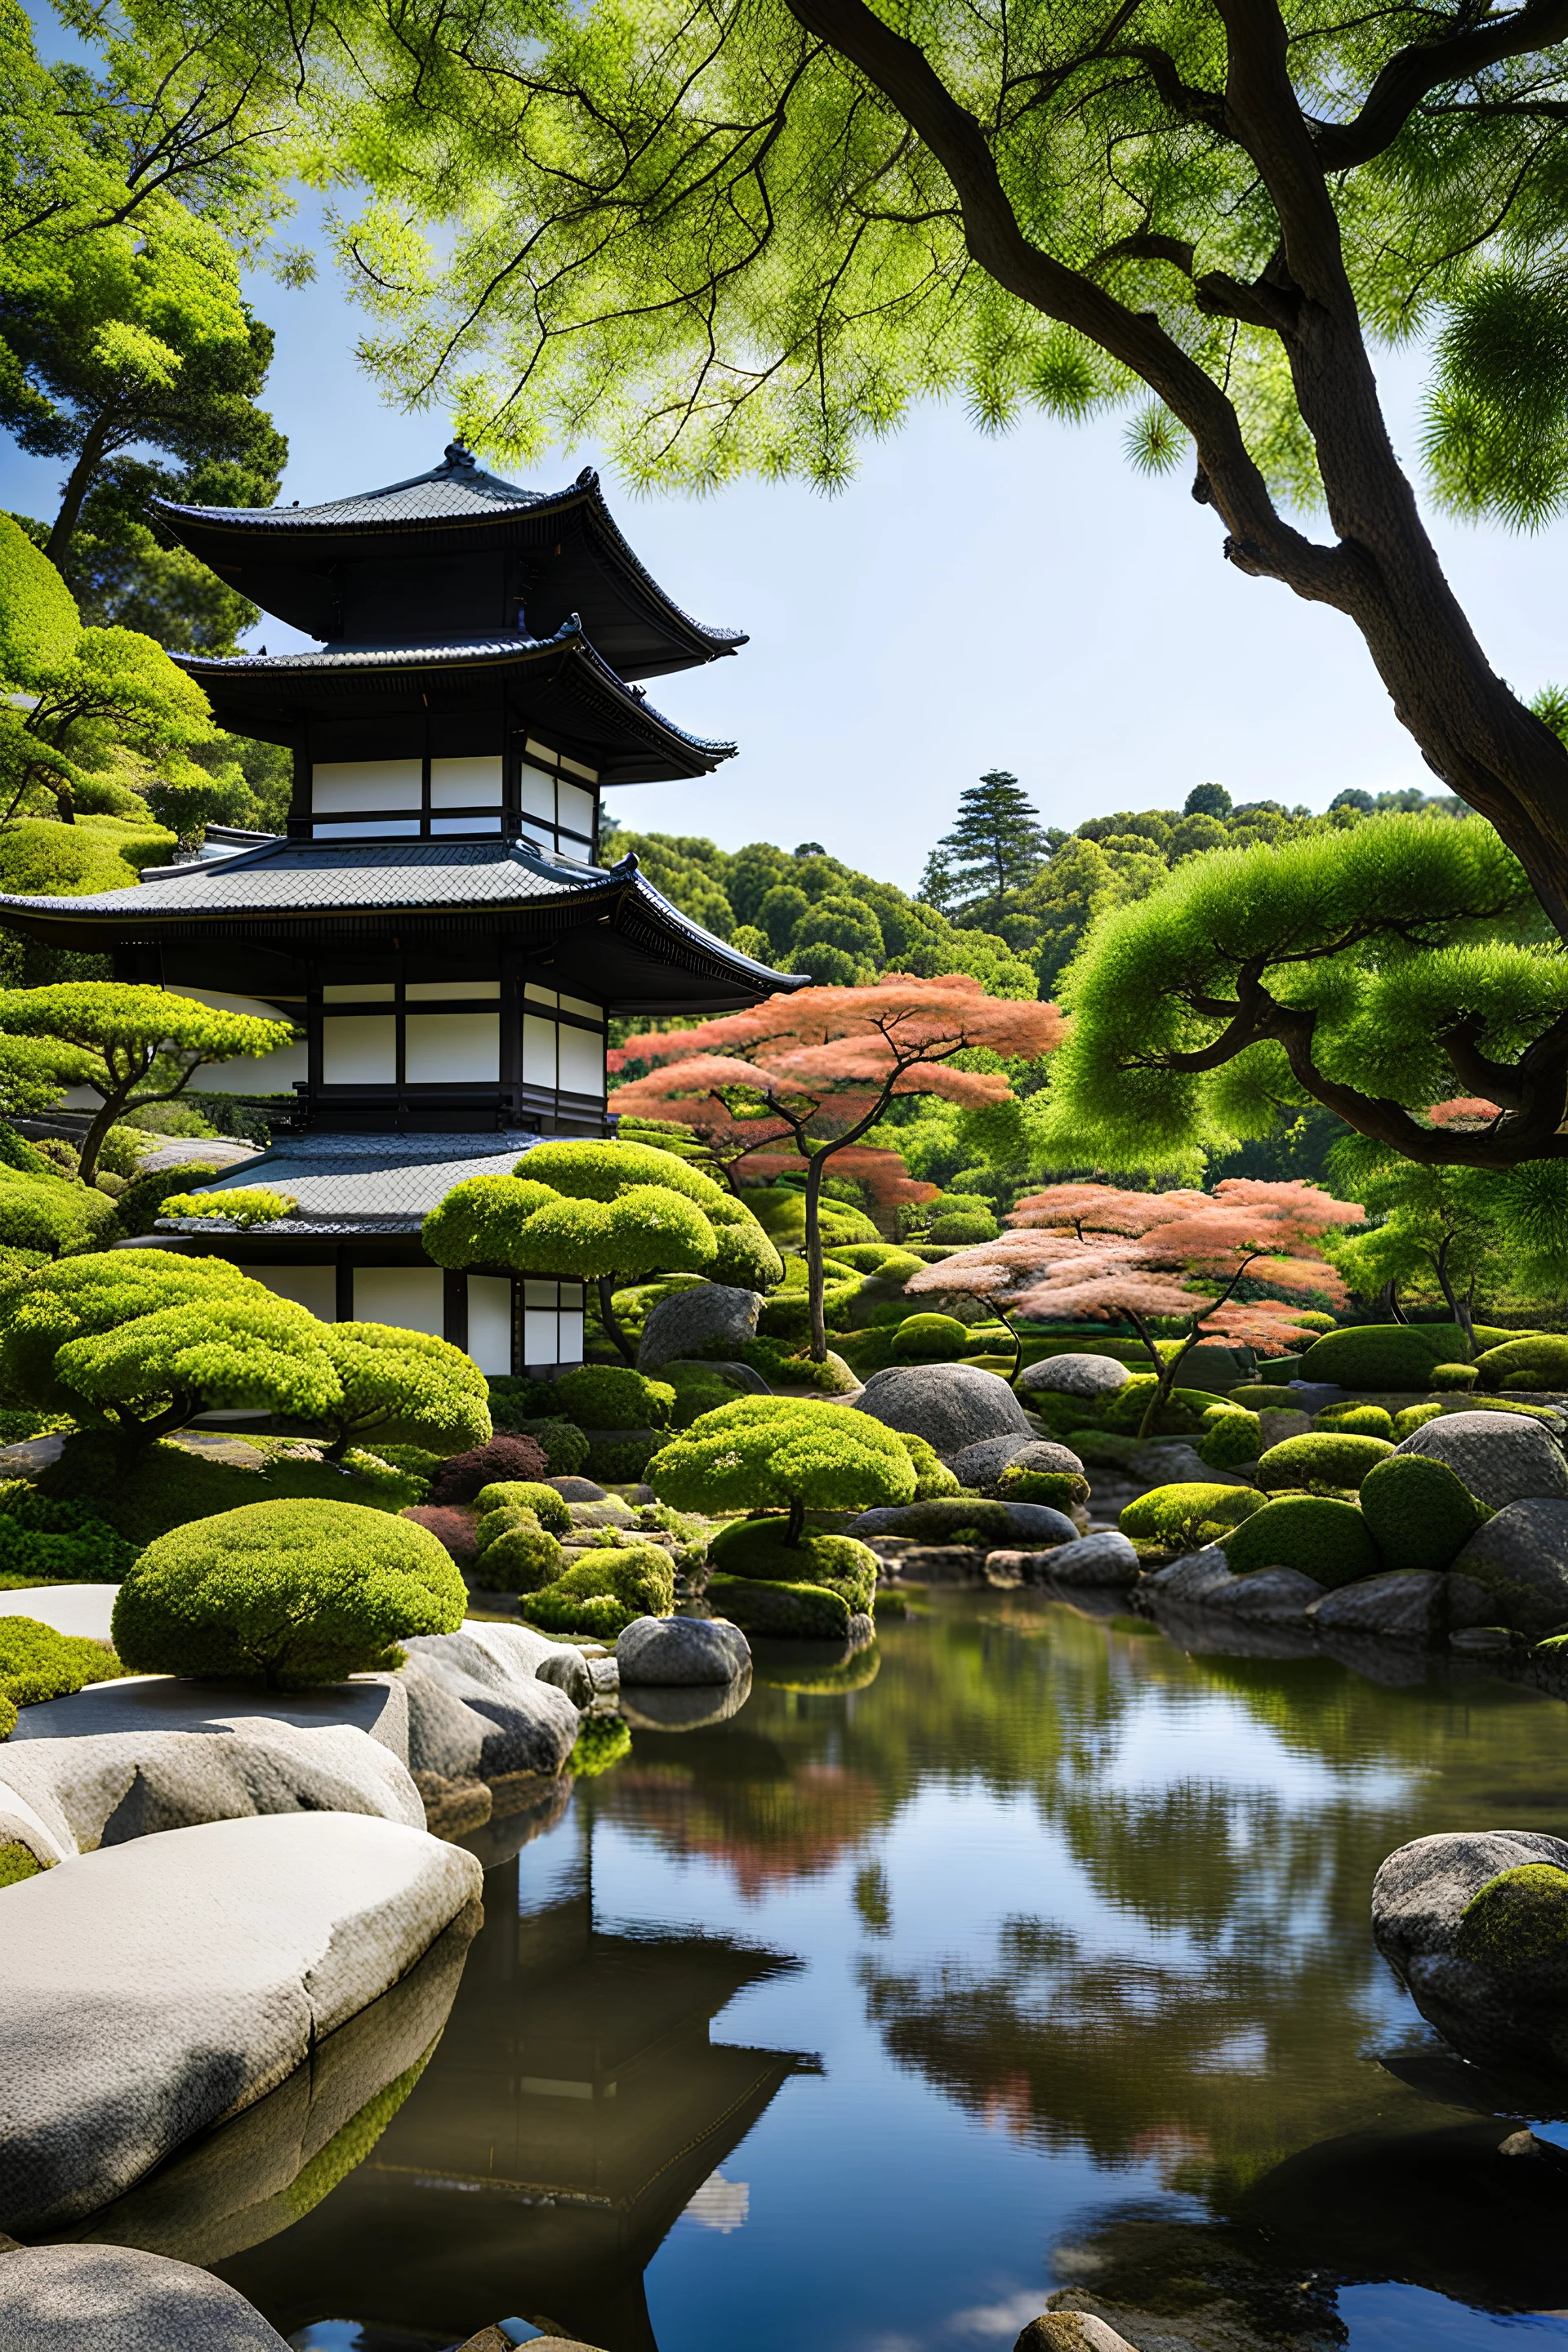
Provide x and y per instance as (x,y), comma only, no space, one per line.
(821,1066)
(607,1214)
(132,1046)
(1097,1250)
(285,1594)
(776,1453)
(403,1388)
(143,1340)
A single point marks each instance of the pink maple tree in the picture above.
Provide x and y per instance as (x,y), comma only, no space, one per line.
(1100,1251)
(813,1071)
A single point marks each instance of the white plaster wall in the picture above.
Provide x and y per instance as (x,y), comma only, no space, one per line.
(407,1296)
(490,1322)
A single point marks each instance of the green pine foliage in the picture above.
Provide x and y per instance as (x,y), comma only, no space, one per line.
(403,1387)
(285,1594)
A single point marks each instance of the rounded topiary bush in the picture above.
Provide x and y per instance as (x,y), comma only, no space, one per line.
(1325,1538)
(564,1445)
(1322,1461)
(287,1594)
(784,1453)
(932,1476)
(1454,1376)
(549,1507)
(758,1549)
(516,1554)
(1537,1361)
(930,1339)
(612,1396)
(601,1594)
(37,1663)
(1181,1415)
(1187,1515)
(1420,1512)
(1257,1396)
(463,1475)
(1230,1435)
(1356,1421)
(1384,1355)
(1414,1416)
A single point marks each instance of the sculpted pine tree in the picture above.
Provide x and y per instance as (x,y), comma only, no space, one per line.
(751,235)
(821,1067)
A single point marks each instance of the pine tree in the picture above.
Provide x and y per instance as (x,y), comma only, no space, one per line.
(996,845)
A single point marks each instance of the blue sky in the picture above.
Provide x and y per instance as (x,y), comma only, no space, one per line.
(1025,601)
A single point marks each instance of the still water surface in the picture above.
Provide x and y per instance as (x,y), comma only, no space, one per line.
(863,2020)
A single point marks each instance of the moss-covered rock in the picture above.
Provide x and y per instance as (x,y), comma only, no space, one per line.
(1060,1490)
(1419,1511)
(1321,1462)
(1231,1435)
(1187,1515)
(601,1594)
(930,1339)
(806,1613)
(1260,1396)
(1385,1355)
(1518,1920)
(1537,1361)
(1413,1417)
(1324,1538)
(757,1549)
(932,1476)
(1356,1421)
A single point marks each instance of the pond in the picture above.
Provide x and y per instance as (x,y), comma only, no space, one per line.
(867,2019)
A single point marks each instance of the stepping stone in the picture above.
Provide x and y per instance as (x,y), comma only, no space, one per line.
(153,1992)
(63,2298)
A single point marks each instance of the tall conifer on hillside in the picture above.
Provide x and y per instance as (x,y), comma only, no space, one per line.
(996,845)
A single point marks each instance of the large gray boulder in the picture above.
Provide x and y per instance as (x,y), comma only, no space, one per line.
(1076,1376)
(1189,1582)
(1503,1457)
(982,1465)
(950,1405)
(477,1712)
(691,1322)
(1519,1559)
(153,1991)
(947,1519)
(668,1706)
(681,1651)
(1500,1999)
(1403,1605)
(1270,1596)
(84,1610)
(63,2298)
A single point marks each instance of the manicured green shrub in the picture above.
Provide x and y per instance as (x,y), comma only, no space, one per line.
(1320,1461)
(55,1218)
(779,1453)
(564,1445)
(1419,1511)
(1060,1490)
(414,1461)
(287,1594)
(802,1612)
(1312,1319)
(964,1227)
(782,1369)
(883,1260)
(1186,1515)
(612,1396)
(759,1549)
(1356,1421)
(930,1339)
(601,1594)
(58,1541)
(622,1461)
(1454,1376)
(549,1507)
(603,1741)
(932,1476)
(1384,1355)
(516,1555)
(1229,1437)
(463,1476)
(1414,1416)
(1540,1361)
(1324,1538)
(514,1401)
(37,1663)
(166,1485)
(139,1205)
(1182,1416)
(698,1390)
(1257,1396)
(407,1387)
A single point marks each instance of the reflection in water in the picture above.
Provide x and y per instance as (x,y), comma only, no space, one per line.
(1084,1923)
(579,2107)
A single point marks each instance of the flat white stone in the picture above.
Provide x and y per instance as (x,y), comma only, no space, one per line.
(81,1609)
(153,1991)
(374,1703)
(63,2298)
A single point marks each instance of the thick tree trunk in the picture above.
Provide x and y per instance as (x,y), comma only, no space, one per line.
(57,547)
(611,1321)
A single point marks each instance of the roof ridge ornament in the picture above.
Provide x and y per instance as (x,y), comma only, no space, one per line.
(630,864)
(588,479)
(457,459)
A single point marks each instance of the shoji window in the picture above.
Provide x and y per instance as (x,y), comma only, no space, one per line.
(552,1323)
(367,799)
(558,803)
(559,1048)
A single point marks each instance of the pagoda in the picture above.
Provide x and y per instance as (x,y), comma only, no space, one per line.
(436,922)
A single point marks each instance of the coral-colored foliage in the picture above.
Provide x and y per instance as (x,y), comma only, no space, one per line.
(1098,1251)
